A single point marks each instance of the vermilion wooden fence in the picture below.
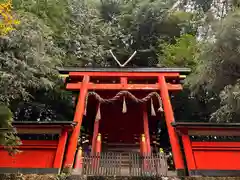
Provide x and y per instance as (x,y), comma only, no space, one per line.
(124,164)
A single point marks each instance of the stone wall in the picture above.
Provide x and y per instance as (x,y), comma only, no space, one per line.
(65,177)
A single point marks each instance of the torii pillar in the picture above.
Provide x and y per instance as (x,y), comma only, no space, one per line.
(78,117)
(169,118)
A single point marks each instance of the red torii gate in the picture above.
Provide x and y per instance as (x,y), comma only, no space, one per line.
(161,79)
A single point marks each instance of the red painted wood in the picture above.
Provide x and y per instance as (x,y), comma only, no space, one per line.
(92,86)
(79,159)
(39,142)
(144,150)
(72,145)
(28,158)
(143,145)
(35,156)
(124,82)
(188,152)
(60,149)
(123,74)
(217,159)
(215,131)
(146,128)
(119,126)
(95,133)
(99,144)
(215,149)
(169,117)
(39,147)
(216,144)
(215,155)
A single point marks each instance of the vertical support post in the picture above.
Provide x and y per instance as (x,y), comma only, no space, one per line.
(169,117)
(143,147)
(60,149)
(188,153)
(143,144)
(95,135)
(146,129)
(72,145)
(79,160)
(95,132)
(97,154)
(99,143)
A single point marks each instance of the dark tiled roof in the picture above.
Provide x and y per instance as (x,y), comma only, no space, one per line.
(65,70)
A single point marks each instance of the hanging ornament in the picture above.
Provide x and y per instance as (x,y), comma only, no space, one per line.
(160,105)
(124,109)
(160,109)
(98,115)
(153,113)
(85,108)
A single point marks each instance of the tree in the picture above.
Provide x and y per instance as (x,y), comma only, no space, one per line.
(184,53)
(219,69)
(137,25)
(7,21)
(8,136)
(7,132)
(28,57)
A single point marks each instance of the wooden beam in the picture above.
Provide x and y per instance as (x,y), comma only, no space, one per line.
(146,128)
(38,131)
(92,86)
(188,153)
(78,117)
(124,74)
(169,118)
(58,161)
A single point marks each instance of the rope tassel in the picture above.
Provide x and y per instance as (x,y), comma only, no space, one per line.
(124,109)
(160,105)
(98,115)
(153,113)
(160,109)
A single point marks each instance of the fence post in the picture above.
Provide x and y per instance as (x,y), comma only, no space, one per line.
(78,162)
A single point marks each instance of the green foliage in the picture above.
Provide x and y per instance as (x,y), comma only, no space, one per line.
(138,25)
(230,101)
(204,4)
(82,37)
(27,59)
(184,53)
(219,68)
(55,13)
(8,136)
(189,22)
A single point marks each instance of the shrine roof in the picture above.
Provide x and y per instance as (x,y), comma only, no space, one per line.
(207,128)
(35,127)
(44,123)
(66,70)
(205,124)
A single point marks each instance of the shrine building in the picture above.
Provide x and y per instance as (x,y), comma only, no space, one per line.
(115,130)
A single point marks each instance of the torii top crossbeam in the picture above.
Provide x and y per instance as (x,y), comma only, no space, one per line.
(113,78)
